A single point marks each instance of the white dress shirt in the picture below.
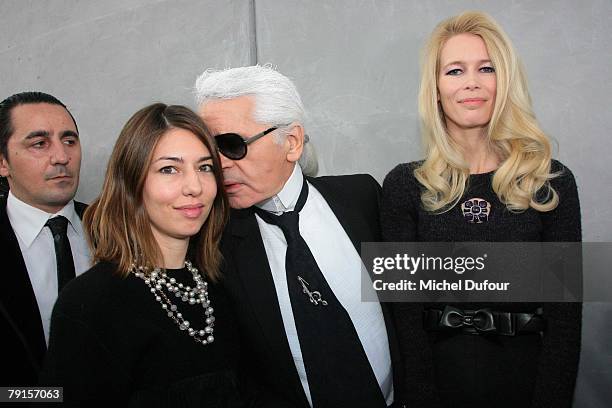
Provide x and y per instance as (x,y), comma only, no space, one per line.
(38,250)
(340,264)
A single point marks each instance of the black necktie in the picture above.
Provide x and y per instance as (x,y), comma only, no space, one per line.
(63,254)
(338,371)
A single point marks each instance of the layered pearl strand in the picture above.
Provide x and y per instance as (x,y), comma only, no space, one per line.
(158,280)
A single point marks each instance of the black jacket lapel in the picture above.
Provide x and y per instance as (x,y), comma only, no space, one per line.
(17,296)
(253,272)
(79,208)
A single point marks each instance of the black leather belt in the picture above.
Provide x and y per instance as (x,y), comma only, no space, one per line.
(483,321)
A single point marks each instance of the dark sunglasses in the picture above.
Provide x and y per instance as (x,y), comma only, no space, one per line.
(234,147)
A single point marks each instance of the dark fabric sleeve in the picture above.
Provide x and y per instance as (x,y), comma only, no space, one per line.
(77,361)
(418,388)
(397,206)
(374,197)
(399,224)
(558,366)
(563,224)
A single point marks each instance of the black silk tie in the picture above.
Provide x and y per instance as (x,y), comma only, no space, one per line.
(63,254)
(338,371)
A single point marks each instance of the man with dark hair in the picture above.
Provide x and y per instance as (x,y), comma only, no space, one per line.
(41,235)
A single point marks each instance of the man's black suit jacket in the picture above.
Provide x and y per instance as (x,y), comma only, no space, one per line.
(21,331)
(248,279)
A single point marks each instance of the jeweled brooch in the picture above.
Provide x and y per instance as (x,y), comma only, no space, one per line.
(476,210)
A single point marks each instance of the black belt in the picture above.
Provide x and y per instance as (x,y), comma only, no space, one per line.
(483,321)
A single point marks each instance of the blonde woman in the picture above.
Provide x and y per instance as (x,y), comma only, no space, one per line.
(487,175)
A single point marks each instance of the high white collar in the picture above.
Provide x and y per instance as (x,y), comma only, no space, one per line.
(286,199)
(28,221)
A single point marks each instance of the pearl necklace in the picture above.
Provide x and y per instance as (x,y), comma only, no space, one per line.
(158,280)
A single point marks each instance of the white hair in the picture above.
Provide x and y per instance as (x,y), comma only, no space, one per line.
(277,100)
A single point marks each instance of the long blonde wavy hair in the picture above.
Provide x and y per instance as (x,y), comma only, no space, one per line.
(512,133)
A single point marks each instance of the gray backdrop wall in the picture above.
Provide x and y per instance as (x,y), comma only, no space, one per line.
(356,64)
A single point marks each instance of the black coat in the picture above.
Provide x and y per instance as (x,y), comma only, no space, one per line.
(453,369)
(354,201)
(21,330)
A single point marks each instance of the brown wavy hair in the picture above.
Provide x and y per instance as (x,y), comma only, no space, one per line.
(117,225)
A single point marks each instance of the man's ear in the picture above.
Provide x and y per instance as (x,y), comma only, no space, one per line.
(295,141)
(4,166)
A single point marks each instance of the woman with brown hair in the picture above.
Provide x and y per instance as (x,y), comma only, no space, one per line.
(487,176)
(147,325)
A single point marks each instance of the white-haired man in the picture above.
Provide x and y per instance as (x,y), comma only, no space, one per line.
(292,249)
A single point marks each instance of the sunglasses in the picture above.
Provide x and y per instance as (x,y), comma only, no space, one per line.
(234,147)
